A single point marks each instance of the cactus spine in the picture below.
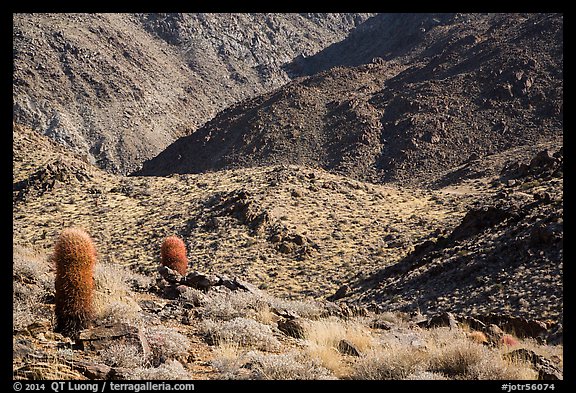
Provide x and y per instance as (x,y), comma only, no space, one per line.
(75,257)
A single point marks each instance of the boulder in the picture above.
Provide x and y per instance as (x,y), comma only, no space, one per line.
(200,281)
(292,327)
(339,294)
(172,276)
(345,347)
(439,320)
(547,370)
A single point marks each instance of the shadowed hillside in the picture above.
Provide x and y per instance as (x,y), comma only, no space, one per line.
(465,90)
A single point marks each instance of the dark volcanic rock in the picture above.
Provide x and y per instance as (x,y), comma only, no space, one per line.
(504,262)
(447,87)
(546,369)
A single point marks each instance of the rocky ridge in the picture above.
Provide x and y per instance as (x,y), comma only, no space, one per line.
(461,90)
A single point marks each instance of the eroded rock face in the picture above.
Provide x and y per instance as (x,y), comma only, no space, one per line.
(118,88)
(101,337)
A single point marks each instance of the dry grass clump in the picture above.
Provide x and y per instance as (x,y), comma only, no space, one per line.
(454,355)
(455,358)
(113,301)
(495,367)
(243,331)
(330,331)
(233,362)
(171,370)
(389,361)
(447,354)
(33,283)
(230,360)
(286,366)
(323,338)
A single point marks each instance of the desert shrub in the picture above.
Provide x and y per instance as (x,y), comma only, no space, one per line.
(389,361)
(33,284)
(113,301)
(304,308)
(509,341)
(242,331)
(229,360)
(32,267)
(165,343)
(122,355)
(232,304)
(233,362)
(455,359)
(286,366)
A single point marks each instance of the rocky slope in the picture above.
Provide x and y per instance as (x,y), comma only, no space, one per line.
(463,88)
(332,302)
(504,258)
(401,219)
(118,88)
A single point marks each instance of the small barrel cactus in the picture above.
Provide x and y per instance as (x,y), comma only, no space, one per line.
(173,254)
(75,257)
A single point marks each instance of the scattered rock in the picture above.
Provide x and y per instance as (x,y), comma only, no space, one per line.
(339,294)
(347,311)
(522,327)
(495,334)
(91,370)
(119,374)
(200,281)
(286,247)
(38,327)
(169,275)
(438,320)
(347,348)
(542,160)
(381,324)
(545,367)
(101,337)
(477,220)
(47,371)
(48,178)
(297,193)
(150,306)
(292,327)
